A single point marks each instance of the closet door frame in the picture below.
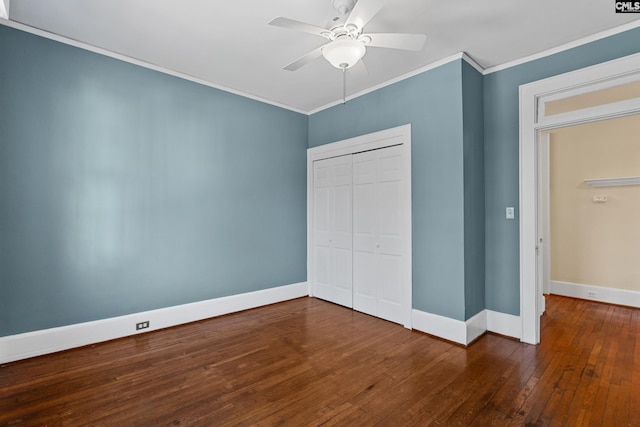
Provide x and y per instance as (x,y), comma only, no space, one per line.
(401,136)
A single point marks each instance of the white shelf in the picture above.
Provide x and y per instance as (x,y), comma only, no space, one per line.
(611,182)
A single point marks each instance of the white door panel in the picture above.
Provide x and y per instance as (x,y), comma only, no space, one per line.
(364,234)
(390,245)
(321,201)
(378,233)
(389,215)
(390,305)
(359,209)
(322,270)
(332,239)
(364,292)
(342,209)
(364,170)
(390,166)
(390,275)
(363,206)
(343,271)
(322,175)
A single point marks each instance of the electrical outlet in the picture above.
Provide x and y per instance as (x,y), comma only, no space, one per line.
(142,325)
(592,294)
(600,199)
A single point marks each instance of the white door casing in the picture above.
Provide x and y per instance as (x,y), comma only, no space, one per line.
(400,137)
(533,120)
(544,225)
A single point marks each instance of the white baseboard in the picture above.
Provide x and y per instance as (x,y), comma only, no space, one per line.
(30,344)
(476,326)
(440,326)
(504,324)
(596,293)
(466,332)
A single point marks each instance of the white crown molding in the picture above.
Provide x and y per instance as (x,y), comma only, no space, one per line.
(439,63)
(473,63)
(563,47)
(37,343)
(134,61)
(489,70)
(461,55)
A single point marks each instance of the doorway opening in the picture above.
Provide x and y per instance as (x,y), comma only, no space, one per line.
(588,205)
(589,95)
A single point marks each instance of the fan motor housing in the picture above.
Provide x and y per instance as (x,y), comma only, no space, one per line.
(343,6)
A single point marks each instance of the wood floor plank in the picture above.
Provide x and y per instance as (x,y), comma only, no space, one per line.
(312,363)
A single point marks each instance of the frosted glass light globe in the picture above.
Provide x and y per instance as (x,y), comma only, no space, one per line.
(344,52)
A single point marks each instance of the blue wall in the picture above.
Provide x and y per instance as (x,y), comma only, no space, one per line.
(473,128)
(123,189)
(432,103)
(502,158)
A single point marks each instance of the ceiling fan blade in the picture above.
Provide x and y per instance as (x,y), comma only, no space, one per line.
(304,60)
(363,11)
(397,40)
(359,71)
(298,26)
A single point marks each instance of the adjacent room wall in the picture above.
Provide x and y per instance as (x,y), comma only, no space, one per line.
(501,138)
(123,189)
(595,243)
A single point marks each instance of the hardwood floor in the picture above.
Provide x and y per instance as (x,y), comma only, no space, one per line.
(307,363)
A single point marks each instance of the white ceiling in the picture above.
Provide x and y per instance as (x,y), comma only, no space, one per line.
(230,45)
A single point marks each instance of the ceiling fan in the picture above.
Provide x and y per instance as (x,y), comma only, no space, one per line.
(347,42)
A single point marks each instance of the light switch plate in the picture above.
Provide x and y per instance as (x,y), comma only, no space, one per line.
(510,213)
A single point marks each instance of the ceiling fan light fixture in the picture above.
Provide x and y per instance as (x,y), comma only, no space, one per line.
(344,53)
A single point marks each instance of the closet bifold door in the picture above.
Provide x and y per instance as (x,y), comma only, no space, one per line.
(332,230)
(377,233)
